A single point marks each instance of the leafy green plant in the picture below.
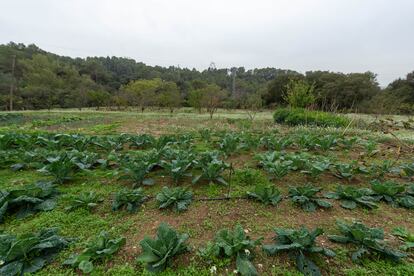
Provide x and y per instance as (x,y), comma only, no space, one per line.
(392,193)
(299,244)
(30,252)
(131,200)
(278,169)
(266,194)
(98,249)
(28,199)
(405,236)
(327,142)
(306,197)
(379,170)
(348,143)
(267,158)
(351,197)
(368,241)
(349,170)
(179,166)
(407,169)
(137,171)
(229,144)
(233,243)
(205,134)
(212,169)
(86,200)
(110,143)
(316,168)
(178,198)
(158,253)
(248,141)
(306,141)
(276,143)
(370,147)
(141,141)
(60,167)
(299,161)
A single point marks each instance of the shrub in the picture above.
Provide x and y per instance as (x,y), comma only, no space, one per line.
(299,93)
(301,116)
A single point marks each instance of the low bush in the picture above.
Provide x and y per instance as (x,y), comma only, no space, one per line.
(301,116)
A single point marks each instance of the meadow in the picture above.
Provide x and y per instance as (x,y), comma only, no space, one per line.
(226,195)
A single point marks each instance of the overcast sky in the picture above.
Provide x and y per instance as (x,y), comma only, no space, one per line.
(335,35)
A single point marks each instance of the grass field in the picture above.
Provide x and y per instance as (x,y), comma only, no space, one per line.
(243,145)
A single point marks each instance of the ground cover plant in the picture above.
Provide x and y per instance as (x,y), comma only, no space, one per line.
(114,156)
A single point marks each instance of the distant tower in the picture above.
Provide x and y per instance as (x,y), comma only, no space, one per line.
(233,83)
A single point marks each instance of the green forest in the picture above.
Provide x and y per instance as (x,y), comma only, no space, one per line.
(31,78)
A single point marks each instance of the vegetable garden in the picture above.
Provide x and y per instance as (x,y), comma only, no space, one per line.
(268,200)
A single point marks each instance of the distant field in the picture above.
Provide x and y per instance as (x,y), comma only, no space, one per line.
(101,149)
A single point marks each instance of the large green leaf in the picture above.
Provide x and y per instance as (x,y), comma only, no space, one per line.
(157,253)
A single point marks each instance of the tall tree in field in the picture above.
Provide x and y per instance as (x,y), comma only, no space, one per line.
(213,97)
(195,99)
(98,98)
(252,103)
(142,93)
(195,96)
(41,83)
(169,96)
(300,94)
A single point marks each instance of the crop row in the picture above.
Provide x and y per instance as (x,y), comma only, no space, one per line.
(227,142)
(29,253)
(136,166)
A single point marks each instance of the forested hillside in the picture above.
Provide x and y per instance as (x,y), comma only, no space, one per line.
(36,79)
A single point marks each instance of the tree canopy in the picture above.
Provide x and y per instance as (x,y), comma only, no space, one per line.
(43,80)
